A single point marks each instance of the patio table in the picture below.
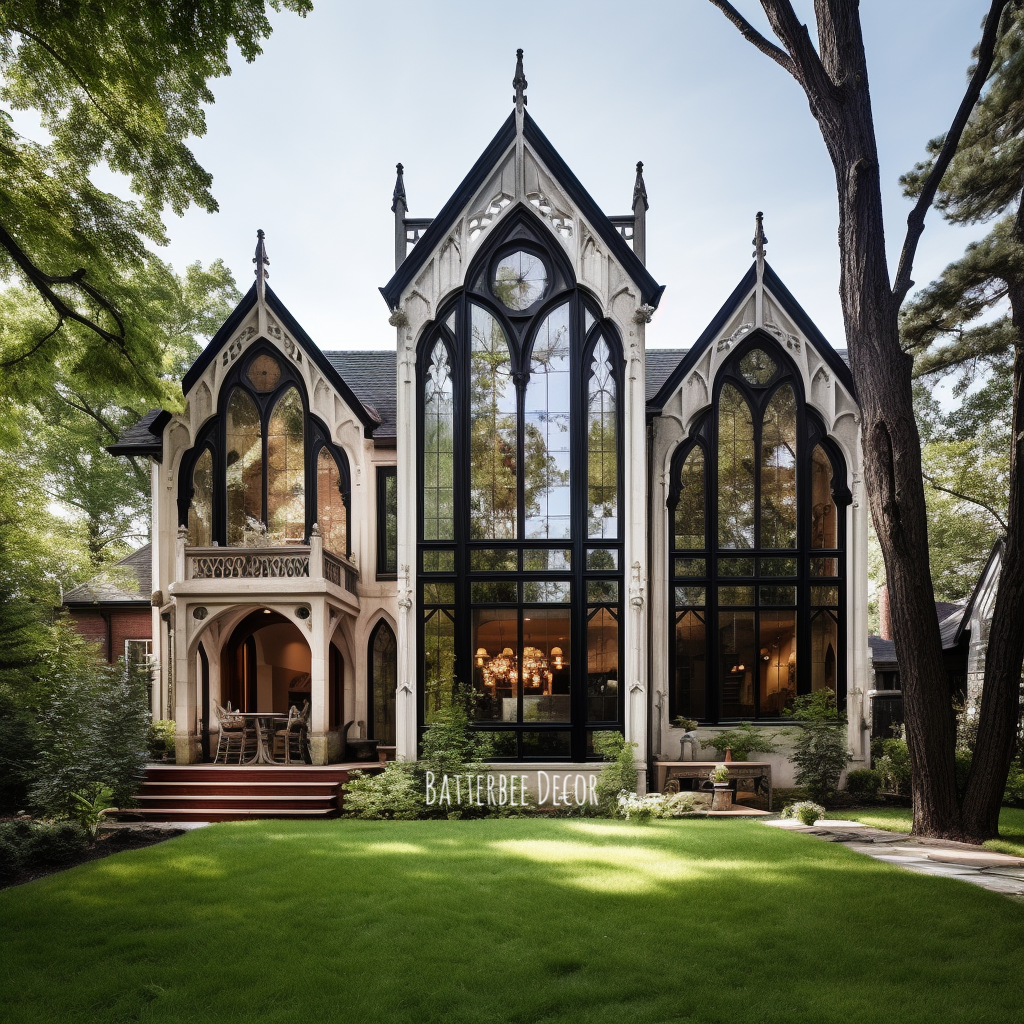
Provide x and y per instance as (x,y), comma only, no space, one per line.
(264,722)
(755,775)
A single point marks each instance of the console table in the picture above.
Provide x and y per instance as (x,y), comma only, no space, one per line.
(753,775)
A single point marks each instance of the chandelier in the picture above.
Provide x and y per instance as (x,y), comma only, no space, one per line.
(503,670)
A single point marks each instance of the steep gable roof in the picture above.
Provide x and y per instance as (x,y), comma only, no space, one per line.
(129,581)
(372,376)
(650,290)
(144,437)
(835,358)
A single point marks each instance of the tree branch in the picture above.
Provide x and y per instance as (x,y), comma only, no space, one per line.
(915,222)
(966,497)
(7,364)
(751,34)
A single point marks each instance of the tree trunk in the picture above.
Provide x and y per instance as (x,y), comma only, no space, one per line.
(1000,698)
(890,441)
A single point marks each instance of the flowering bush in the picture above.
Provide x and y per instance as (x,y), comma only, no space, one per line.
(806,811)
(654,805)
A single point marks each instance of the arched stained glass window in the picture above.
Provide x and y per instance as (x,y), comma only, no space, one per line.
(602,448)
(438,448)
(689,517)
(243,466)
(383,683)
(735,470)
(332,516)
(493,440)
(200,511)
(546,431)
(823,508)
(286,473)
(778,471)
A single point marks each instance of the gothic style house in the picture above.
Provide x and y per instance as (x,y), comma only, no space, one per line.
(521,498)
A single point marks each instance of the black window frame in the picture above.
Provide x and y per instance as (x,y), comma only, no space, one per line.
(811,432)
(384,570)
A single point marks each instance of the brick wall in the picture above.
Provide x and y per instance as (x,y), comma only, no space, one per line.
(125,624)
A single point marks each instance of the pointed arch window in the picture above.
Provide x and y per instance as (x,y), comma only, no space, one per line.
(200,510)
(286,473)
(438,448)
(493,432)
(602,447)
(383,683)
(546,431)
(243,466)
(332,513)
(758,607)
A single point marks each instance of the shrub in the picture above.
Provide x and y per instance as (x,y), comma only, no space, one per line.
(395,793)
(863,782)
(55,842)
(1013,795)
(618,775)
(653,805)
(806,812)
(821,755)
(719,774)
(894,766)
(743,740)
(160,740)
(10,859)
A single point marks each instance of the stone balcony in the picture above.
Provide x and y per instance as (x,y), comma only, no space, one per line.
(292,569)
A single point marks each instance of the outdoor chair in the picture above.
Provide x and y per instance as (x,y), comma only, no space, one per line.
(237,739)
(290,739)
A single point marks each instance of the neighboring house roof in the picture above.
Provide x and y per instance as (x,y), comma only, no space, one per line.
(994,554)
(835,358)
(129,581)
(883,653)
(145,437)
(659,364)
(950,616)
(372,377)
(650,290)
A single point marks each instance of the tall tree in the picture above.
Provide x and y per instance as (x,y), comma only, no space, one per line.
(123,84)
(834,78)
(960,323)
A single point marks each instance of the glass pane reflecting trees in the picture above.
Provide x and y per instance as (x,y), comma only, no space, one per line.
(493,444)
(332,516)
(244,466)
(778,471)
(823,508)
(384,683)
(286,473)
(546,431)
(689,516)
(200,512)
(735,470)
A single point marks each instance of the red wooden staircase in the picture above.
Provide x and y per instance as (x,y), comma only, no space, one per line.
(219,792)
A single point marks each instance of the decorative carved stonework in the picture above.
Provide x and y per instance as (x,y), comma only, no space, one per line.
(644,314)
(742,331)
(791,340)
(234,350)
(398,317)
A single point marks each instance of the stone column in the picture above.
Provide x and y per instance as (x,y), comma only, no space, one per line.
(319,678)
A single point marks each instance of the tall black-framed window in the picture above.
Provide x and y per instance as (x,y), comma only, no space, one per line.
(757,509)
(387,522)
(264,462)
(520,498)
(382,682)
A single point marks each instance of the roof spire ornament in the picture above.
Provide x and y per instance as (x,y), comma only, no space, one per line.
(398,196)
(519,83)
(262,261)
(760,239)
(640,188)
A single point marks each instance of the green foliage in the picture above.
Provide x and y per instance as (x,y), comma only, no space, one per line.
(719,774)
(160,740)
(55,842)
(819,706)
(396,793)
(93,724)
(821,754)
(864,782)
(743,740)
(619,775)
(806,811)
(10,859)
(894,766)
(1013,795)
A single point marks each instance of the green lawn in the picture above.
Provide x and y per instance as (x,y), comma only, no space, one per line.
(899,819)
(517,920)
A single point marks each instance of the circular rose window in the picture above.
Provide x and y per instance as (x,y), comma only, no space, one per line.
(520,280)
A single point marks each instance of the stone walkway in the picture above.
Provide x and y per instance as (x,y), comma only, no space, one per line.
(998,872)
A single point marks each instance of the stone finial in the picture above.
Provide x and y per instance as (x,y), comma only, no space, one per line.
(760,238)
(262,261)
(640,188)
(398,196)
(519,83)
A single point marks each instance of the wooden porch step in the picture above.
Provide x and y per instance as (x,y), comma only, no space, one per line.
(270,789)
(256,800)
(224,813)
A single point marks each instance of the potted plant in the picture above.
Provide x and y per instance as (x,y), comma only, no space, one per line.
(722,798)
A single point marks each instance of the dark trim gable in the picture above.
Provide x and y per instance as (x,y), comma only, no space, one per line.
(144,438)
(369,419)
(650,290)
(965,619)
(773,283)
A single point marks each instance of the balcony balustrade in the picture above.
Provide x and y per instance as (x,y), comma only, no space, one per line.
(293,561)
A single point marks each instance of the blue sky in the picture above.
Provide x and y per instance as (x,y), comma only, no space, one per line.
(303,143)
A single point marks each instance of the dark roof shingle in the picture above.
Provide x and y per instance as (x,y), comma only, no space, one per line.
(372,376)
(130,579)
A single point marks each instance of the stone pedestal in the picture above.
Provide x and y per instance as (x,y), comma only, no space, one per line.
(722,798)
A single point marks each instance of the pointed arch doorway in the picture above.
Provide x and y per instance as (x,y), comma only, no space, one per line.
(266,665)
